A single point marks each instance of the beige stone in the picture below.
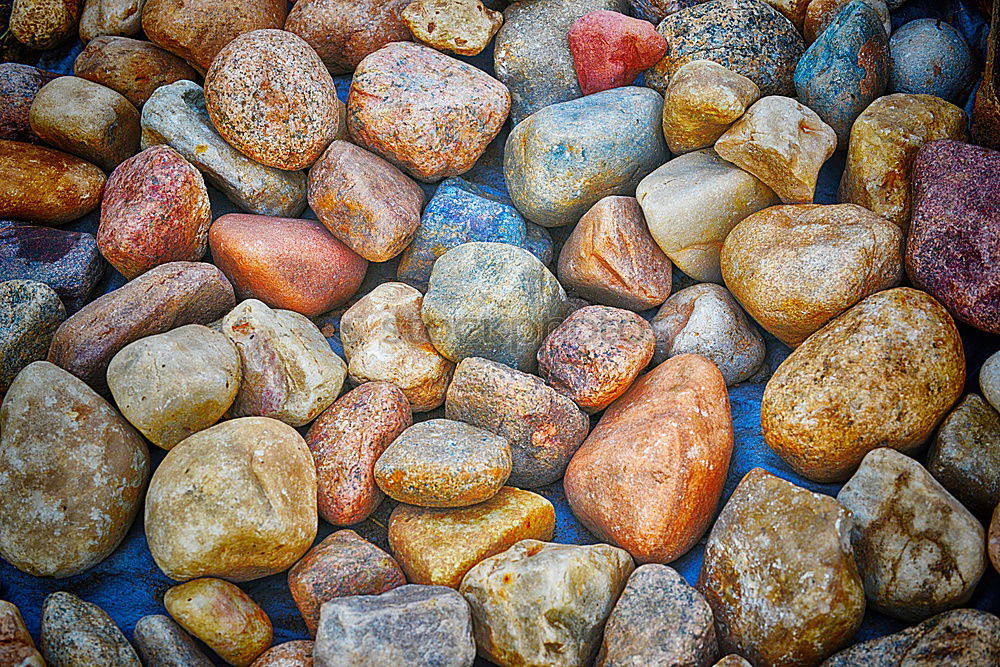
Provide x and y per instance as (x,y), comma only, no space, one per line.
(43,24)
(463,27)
(794,10)
(132,67)
(110,17)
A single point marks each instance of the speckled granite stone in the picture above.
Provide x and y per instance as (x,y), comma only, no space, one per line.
(76,633)
(930,56)
(30,313)
(163,643)
(965,456)
(18,86)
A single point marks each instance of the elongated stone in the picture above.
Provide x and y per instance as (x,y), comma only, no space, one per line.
(162,642)
(76,632)
(30,313)
(965,456)
(46,186)
(17,648)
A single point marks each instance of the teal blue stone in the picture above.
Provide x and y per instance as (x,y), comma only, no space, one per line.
(930,57)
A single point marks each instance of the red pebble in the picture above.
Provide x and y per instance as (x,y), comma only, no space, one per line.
(610,49)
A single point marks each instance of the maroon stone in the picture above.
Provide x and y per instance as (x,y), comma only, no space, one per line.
(610,49)
(18,86)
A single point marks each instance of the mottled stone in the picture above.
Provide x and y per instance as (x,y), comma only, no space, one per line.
(567,157)
(655,11)
(989,380)
(43,24)
(567,590)
(820,13)
(17,648)
(18,86)
(732,660)
(131,67)
(955,230)
(692,202)
(417,626)
(779,574)
(965,456)
(46,186)
(385,340)
(701,101)
(463,27)
(237,500)
(895,353)
(163,643)
(76,633)
(297,653)
(539,243)
(287,263)
(168,296)
(794,268)
(110,17)
(525,302)
(175,115)
(610,49)
(73,477)
(342,564)
(365,201)
(221,615)
(30,313)
(346,441)
(994,539)
(931,57)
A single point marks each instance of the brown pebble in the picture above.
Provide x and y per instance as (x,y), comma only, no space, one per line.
(46,186)
(132,67)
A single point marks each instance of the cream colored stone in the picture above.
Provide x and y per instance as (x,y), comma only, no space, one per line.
(463,27)
(110,17)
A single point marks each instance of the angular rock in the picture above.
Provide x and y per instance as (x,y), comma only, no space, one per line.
(567,157)
(131,67)
(930,57)
(610,49)
(30,313)
(76,632)
(43,24)
(46,186)
(965,456)
(110,17)
(989,380)
(290,654)
(820,13)
(464,27)
(779,574)
(162,642)
(18,86)
(16,646)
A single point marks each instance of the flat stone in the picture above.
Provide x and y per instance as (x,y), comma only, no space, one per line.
(965,456)
(453,110)
(18,86)
(417,626)
(168,296)
(781,142)
(297,653)
(568,590)
(287,263)
(930,57)
(385,340)
(884,143)
(895,353)
(659,620)
(110,17)
(692,202)
(820,13)
(989,380)
(610,49)
(346,441)
(76,632)
(464,27)
(701,101)
(342,564)
(237,500)
(162,642)
(438,546)
(43,24)
(705,319)
(650,475)
(30,313)
(918,550)
(567,157)
(795,268)
(175,115)
(779,574)
(131,67)
(16,646)
(288,370)
(46,186)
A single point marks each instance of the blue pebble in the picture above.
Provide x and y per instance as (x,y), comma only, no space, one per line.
(538,242)
(930,57)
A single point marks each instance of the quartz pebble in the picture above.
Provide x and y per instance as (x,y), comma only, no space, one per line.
(16,646)
(965,456)
(610,49)
(160,641)
(297,653)
(39,184)
(462,27)
(131,67)
(43,24)
(30,313)
(18,86)
(76,632)
(931,57)
(110,17)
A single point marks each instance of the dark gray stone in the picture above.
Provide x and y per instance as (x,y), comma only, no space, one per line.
(76,633)
(965,456)
(163,643)
(30,313)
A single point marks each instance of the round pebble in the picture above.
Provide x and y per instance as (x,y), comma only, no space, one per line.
(930,56)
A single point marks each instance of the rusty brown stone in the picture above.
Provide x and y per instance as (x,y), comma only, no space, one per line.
(131,67)
(46,186)
(298,653)
(16,646)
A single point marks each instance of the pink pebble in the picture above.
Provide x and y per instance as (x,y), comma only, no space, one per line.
(610,49)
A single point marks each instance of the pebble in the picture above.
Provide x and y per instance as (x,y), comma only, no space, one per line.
(930,56)
(462,27)
(895,353)
(154,210)
(595,354)
(385,340)
(346,441)
(288,370)
(174,384)
(161,642)
(365,201)
(845,69)
(452,109)
(918,550)
(197,30)
(989,380)
(567,590)
(342,564)
(110,17)
(30,313)
(779,574)
(287,263)
(659,620)
(43,185)
(168,296)
(701,101)
(86,119)
(438,546)
(994,539)
(270,97)
(76,633)
(344,32)
(43,24)
(965,456)
(73,477)
(237,500)
(568,156)
(290,654)
(705,319)
(955,230)
(649,476)
(544,428)
(795,268)
(692,202)
(416,626)
(884,143)
(747,36)
(820,14)
(16,646)
(18,86)
(732,660)
(539,243)
(610,49)
(131,67)
(532,56)
(221,615)
(175,115)
(443,463)
(655,11)
(781,142)
(525,302)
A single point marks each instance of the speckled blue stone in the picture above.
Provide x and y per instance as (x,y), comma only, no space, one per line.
(539,243)
(845,69)
(930,57)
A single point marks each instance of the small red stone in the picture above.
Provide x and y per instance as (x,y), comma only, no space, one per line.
(610,49)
